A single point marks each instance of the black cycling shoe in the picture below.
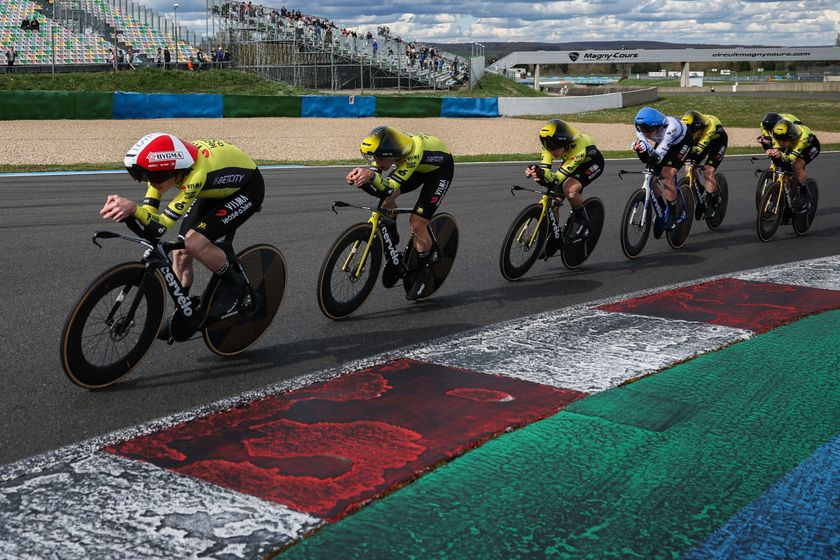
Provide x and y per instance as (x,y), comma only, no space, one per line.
(422,286)
(229,294)
(801,203)
(393,273)
(163,333)
(580,227)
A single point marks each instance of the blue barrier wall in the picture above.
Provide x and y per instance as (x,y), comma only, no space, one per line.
(469,107)
(129,105)
(333,107)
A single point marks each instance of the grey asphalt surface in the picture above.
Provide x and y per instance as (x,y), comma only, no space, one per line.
(48,259)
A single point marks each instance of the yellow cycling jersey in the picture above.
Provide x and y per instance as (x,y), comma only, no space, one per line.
(708,134)
(579,152)
(220,170)
(799,144)
(769,133)
(427,154)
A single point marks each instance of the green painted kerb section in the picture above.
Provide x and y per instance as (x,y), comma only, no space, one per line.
(643,471)
(23,105)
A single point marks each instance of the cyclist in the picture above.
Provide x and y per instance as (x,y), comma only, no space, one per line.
(766,136)
(710,142)
(662,143)
(797,147)
(218,188)
(580,164)
(419,161)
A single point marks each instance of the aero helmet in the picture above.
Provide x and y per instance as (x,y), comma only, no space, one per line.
(556,134)
(785,130)
(770,120)
(694,121)
(158,156)
(649,119)
(386,142)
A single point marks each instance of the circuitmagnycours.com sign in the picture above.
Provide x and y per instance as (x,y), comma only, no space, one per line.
(668,55)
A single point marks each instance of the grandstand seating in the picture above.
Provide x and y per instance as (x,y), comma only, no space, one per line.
(142,37)
(35,47)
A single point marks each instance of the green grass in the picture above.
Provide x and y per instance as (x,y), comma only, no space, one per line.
(532,157)
(149,80)
(737,112)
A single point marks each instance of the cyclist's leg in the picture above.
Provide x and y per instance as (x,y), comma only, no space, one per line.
(573,187)
(435,187)
(717,149)
(225,216)
(182,260)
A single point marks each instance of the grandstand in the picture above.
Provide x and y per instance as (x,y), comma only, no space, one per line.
(36,47)
(84,32)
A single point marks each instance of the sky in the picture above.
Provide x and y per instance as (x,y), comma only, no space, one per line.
(725,22)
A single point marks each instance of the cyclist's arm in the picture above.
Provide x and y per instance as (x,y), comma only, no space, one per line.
(674,132)
(398,177)
(147,215)
(797,149)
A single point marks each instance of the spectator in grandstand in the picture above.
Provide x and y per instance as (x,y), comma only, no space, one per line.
(158,57)
(34,24)
(220,56)
(24,24)
(167,57)
(202,59)
(375,47)
(11,55)
(128,59)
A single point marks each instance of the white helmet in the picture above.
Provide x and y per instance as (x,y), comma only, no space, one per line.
(158,156)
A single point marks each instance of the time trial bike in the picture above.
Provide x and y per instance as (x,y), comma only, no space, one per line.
(119,315)
(351,267)
(777,203)
(646,210)
(702,211)
(537,233)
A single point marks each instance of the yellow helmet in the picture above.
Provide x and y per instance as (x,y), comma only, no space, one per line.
(694,121)
(557,134)
(386,142)
(785,130)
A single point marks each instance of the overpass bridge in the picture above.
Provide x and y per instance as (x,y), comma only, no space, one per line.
(683,56)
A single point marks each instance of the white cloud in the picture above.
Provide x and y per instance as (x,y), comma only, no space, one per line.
(746,22)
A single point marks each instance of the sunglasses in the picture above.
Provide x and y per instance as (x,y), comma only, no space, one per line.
(139,174)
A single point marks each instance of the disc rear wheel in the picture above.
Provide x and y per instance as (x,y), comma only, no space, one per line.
(265,268)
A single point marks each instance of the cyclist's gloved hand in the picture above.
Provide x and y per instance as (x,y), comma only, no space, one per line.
(151,232)
(538,174)
(373,191)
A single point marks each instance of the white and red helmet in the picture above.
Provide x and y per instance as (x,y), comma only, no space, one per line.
(158,156)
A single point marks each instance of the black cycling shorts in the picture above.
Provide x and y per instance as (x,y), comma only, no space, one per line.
(589,170)
(435,184)
(215,217)
(809,154)
(714,152)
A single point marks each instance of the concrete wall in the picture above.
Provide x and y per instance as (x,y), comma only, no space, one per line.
(761,86)
(517,106)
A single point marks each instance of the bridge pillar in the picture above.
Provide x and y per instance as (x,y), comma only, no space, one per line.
(537,77)
(684,75)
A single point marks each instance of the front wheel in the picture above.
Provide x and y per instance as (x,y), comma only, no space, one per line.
(349,271)
(265,268)
(765,181)
(802,222)
(575,252)
(112,326)
(770,212)
(685,210)
(635,229)
(523,242)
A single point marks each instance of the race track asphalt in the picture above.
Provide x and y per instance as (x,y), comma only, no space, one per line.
(48,259)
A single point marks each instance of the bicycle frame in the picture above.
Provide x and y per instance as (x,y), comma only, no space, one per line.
(548,201)
(650,199)
(156,257)
(379,221)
